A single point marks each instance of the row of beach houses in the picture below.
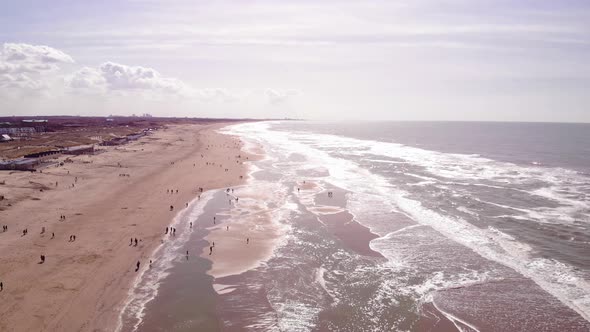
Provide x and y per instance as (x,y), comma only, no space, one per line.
(30,162)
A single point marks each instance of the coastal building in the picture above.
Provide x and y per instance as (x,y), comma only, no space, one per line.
(123,140)
(5,138)
(18,131)
(115,141)
(21,164)
(43,154)
(79,150)
(35,121)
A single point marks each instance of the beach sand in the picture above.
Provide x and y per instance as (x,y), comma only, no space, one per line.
(82,284)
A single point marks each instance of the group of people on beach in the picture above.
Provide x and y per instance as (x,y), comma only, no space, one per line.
(134,241)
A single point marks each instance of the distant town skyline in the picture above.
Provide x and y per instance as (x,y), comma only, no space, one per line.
(464,60)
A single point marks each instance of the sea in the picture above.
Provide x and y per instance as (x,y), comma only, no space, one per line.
(390,226)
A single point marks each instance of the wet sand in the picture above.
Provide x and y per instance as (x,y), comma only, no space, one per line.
(246,241)
(353,235)
(83,283)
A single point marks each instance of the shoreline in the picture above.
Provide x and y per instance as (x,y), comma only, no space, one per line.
(143,292)
(84,283)
(243,241)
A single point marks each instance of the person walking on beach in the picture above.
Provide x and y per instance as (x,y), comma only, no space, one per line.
(210,250)
(150,263)
(137,266)
(247,240)
(42,259)
(166,230)
(174,231)
(52,235)
(191,225)
(136,242)
(131,242)
(171,208)
(1,286)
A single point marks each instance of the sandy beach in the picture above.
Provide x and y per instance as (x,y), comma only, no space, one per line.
(107,199)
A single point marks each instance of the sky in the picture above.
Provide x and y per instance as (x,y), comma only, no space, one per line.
(467,60)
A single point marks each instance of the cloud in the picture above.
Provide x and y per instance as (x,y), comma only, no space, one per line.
(124,79)
(280,96)
(25,66)
(28,69)
(89,79)
(26,53)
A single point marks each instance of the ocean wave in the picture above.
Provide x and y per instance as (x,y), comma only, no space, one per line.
(374,199)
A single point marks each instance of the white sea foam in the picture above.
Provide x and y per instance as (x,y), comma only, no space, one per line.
(224,289)
(459,323)
(373,196)
(466,210)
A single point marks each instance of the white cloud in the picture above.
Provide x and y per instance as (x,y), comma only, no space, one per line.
(29,72)
(88,79)
(26,53)
(24,66)
(123,79)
